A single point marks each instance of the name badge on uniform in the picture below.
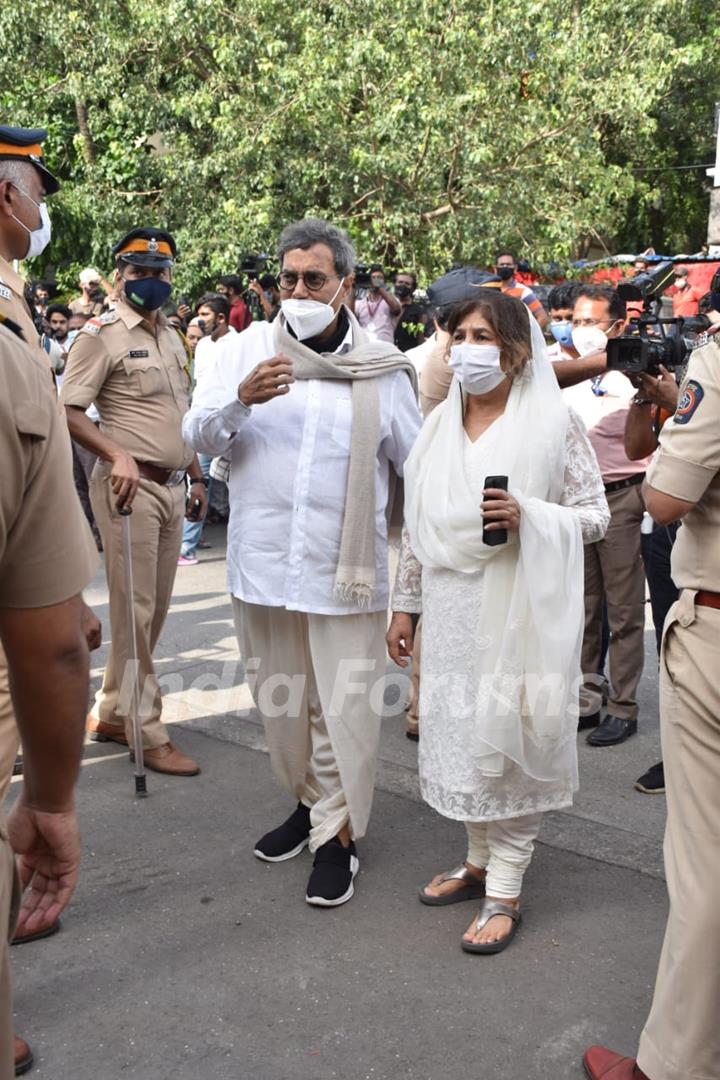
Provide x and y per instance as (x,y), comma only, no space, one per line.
(138,354)
(5,293)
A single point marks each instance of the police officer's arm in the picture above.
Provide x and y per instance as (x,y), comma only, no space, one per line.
(49,673)
(689,455)
(88,366)
(44,564)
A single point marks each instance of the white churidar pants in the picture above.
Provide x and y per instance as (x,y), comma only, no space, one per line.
(316,680)
(504,849)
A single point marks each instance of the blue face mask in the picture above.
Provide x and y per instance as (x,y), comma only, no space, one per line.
(149,293)
(562,332)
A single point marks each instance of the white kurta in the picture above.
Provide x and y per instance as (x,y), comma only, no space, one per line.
(288,476)
(450,780)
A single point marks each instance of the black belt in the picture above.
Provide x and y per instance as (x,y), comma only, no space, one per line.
(158,475)
(629,481)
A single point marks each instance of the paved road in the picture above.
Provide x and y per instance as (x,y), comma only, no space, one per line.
(184,957)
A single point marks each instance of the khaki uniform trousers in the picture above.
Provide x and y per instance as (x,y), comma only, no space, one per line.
(156,528)
(312,677)
(681,1040)
(614,573)
(9,735)
(9,900)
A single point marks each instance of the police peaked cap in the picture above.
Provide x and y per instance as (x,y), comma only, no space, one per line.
(146,247)
(25,144)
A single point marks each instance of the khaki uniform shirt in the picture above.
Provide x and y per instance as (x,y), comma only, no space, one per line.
(687,466)
(14,306)
(47,554)
(136,377)
(79,306)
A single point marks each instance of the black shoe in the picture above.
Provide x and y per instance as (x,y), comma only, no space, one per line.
(612,730)
(288,839)
(653,781)
(18,766)
(331,881)
(585,722)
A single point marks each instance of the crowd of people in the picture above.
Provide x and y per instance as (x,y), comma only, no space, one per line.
(535,490)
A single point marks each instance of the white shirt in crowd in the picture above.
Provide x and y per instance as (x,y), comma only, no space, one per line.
(420,353)
(288,475)
(207,352)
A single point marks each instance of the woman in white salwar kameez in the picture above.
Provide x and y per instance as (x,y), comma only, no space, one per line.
(502,625)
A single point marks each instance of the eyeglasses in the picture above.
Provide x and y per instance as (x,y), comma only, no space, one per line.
(314,280)
(594,322)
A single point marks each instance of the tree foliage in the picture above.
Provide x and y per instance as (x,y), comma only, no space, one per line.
(433,131)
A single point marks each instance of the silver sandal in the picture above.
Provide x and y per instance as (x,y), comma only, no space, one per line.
(487,910)
(474,888)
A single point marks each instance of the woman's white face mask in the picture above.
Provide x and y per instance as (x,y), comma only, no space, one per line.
(477,367)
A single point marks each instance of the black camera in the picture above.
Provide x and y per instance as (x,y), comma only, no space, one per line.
(362,276)
(649,340)
(253,265)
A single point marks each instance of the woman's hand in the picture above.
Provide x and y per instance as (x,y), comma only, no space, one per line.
(399,637)
(500,510)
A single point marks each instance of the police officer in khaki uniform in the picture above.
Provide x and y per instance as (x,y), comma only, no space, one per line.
(132,364)
(681,1039)
(24,231)
(45,562)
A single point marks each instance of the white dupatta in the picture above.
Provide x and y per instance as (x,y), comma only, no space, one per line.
(523,697)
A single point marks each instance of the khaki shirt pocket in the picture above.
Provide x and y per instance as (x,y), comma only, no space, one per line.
(145,375)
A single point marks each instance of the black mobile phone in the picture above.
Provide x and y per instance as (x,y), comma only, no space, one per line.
(192,509)
(495,536)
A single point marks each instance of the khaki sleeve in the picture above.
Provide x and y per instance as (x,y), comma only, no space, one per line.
(88,366)
(45,555)
(689,454)
(435,380)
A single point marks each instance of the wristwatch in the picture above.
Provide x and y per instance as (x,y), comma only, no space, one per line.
(204,480)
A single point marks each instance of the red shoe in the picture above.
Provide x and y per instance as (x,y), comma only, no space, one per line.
(23,1057)
(603,1064)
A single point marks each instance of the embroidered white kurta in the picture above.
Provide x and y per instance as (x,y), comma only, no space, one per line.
(450,601)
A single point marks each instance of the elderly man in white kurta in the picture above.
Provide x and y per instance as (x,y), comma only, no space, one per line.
(316,421)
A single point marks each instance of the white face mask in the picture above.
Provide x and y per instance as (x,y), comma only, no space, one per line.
(308,318)
(40,237)
(589,339)
(477,367)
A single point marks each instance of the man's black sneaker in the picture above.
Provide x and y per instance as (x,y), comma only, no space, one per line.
(653,781)
(288,839)
(331,881)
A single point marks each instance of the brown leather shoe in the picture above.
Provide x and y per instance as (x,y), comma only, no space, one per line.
(37,935)
(23,1056)
(603,1064)
(168,759)
(99,731)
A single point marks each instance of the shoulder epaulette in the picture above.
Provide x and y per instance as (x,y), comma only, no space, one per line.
(13,326)
(95,324)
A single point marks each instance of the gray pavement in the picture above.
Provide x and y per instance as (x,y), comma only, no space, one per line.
(184,957)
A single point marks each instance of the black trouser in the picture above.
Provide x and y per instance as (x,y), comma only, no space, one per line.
(656,550)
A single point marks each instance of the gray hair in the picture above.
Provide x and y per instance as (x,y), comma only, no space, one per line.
(15,172)
(303,234)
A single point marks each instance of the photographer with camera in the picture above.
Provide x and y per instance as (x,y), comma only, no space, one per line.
(613,566)
(230,285)
(377,311)
(268,294)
